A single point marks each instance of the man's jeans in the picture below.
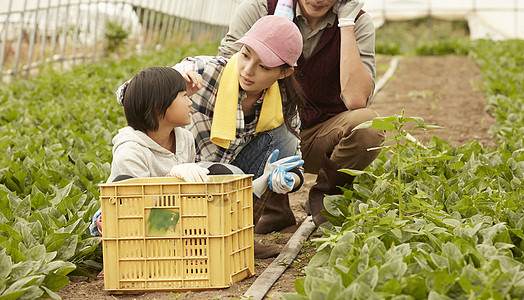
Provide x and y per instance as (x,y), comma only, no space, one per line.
(252,159)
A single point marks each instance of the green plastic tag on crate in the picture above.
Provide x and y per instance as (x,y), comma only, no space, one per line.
(162,222)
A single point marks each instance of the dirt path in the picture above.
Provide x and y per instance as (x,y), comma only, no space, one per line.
(442,90)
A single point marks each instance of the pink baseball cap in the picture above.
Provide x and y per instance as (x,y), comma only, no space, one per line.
(276,40)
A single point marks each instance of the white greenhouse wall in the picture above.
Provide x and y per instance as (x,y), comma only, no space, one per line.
(499,20)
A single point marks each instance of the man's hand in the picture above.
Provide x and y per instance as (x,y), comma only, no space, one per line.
(348,11)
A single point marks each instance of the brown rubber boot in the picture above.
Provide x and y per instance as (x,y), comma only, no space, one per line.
(265,251)
(277,214)
(328,181)
(259,204)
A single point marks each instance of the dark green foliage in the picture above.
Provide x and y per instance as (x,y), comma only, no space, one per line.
(386,48)
(55,148)
(116,36)
(445,47)
(426,36)
(433,221)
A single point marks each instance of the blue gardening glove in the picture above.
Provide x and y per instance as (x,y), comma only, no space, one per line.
(281,181)
(261,183)
(348,11)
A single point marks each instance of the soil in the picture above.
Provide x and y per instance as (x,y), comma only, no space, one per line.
(442,90)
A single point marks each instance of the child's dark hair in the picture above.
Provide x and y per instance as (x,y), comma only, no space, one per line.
(149,94)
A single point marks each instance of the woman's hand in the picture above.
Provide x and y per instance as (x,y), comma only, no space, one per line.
(276,174)
(194,82)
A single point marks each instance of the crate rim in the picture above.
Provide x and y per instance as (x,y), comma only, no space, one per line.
(128,182)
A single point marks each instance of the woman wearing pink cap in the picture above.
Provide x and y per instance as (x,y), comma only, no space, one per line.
(245,110)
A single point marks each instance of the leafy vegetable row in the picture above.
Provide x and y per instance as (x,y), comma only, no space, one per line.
(433,221)
(55,148)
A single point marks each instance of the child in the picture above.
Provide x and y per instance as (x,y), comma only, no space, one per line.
(155,144)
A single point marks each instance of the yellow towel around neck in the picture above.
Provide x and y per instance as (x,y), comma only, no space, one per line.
(223,128)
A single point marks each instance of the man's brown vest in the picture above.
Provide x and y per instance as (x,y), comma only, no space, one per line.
(319,75)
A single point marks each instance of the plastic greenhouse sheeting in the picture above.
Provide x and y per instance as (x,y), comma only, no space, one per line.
(490,19)
(215,12)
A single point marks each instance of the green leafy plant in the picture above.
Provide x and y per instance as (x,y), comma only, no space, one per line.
(432,35)
(502,72)
(445,47)
(303,257)
(374,252)
(408,154)
(440,258)
(55,148)
(116,36)
(432,221)
(387,48)
(279,238)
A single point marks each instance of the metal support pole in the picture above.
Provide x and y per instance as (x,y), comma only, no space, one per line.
(75,38)
(4,39)
(104,40)
(55,31)
(95,33)
(64,35)
(32,40)
(19,42)
(178,18)
(140,36)
(43,38)
(86,32)
(166,18)
(154,29)
(149,25)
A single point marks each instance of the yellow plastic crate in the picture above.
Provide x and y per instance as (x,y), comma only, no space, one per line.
(166,234)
